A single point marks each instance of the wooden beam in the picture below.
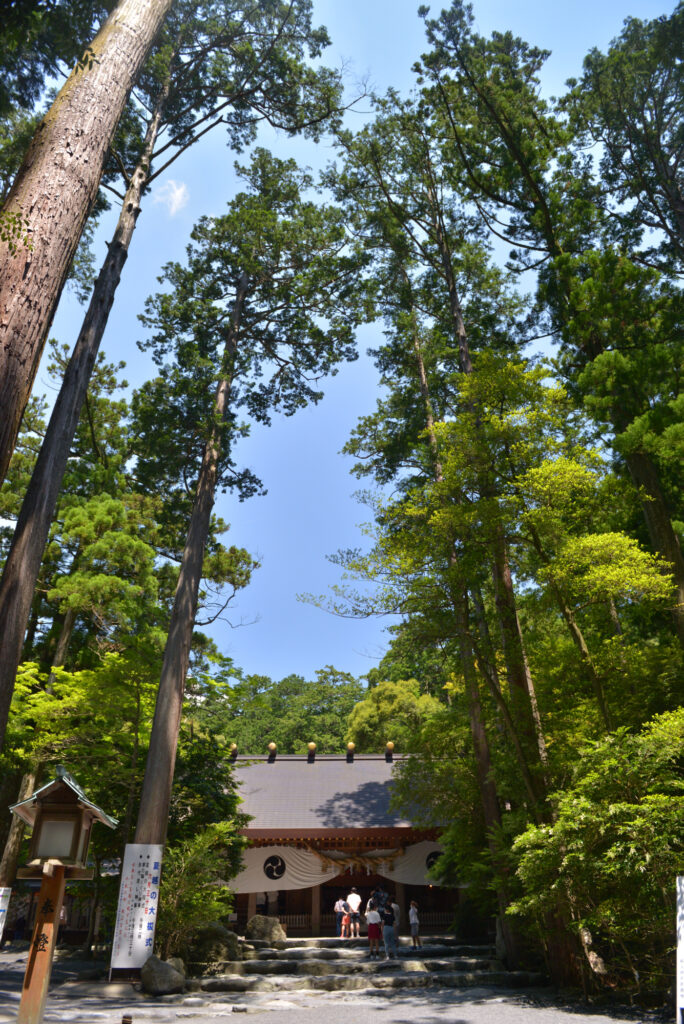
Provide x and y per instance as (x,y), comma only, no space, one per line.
(316,910)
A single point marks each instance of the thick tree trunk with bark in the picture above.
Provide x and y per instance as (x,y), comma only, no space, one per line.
(155,798)
(523,695)
(54,192)
(521,684)
(10,856)
(487,786)
(35,516)
(578,638)
(62,646)
(483,764)
(659,523)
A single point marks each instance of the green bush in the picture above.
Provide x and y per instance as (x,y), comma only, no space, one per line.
(608,862)
(194,886)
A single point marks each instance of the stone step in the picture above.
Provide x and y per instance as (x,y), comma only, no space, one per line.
(360,947)
(336,943)
(348,982)
(362,964)
(360,952)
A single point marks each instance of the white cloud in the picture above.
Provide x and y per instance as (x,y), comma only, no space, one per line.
(174,194)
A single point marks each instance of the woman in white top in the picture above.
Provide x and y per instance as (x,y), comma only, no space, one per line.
(373,921)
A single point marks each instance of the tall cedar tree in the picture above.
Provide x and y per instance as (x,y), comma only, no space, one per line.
(214,65)
(514,158)
(430,258)
(53,193)
(264,307)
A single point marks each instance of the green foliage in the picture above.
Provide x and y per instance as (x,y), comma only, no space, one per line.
(629,101)
(96,722)
(610,857)
(38,38)
(609,566)
(112,576)
(254,711)
(515,481)
(193,886)
(296,323)
(203,789)
(395,711)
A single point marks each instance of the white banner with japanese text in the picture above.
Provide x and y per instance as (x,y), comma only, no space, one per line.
(136,914)
(4,906)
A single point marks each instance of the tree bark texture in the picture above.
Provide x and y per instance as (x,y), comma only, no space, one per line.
(521,687)
(53,193)
(487,786)
(659,524)
(10,855)
(577,638)
(21,569)
(62,646)
(523,695)
(483,764)
(155,798)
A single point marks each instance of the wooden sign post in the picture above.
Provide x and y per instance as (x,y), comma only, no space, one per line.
(61,817)
(39,967)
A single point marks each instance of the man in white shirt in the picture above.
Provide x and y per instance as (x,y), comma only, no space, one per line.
(354,901)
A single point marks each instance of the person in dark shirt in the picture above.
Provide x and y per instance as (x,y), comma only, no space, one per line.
(388,933)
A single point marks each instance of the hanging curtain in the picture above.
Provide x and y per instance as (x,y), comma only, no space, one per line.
(286,867)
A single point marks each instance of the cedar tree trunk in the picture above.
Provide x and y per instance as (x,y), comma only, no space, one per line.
(53,193)
(10,855)
(521,684)
(659,523)
(35,516)
(155,798)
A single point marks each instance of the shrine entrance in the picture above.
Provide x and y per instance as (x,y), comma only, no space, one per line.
(320,827)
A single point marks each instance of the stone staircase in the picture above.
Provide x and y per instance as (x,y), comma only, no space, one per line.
(330,965)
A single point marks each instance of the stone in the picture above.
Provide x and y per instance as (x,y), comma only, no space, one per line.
(176,962)
(211,943)
(261,927)
(160,978)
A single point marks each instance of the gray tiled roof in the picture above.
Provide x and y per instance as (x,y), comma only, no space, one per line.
(291,793)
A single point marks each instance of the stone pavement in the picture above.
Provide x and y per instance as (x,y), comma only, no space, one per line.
(79,1001)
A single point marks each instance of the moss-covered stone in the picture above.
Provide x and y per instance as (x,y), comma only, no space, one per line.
(261,927)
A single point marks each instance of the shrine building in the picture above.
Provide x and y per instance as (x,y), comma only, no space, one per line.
(321,824)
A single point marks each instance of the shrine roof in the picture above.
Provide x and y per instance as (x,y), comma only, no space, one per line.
(330,792)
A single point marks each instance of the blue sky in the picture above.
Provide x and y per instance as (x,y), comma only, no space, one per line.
(309,510)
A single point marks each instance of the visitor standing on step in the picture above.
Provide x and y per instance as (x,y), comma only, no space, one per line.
(415,925)
(339,914)
(346,921)
(397,914)
(354,901)
(373,921)
(388,934)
